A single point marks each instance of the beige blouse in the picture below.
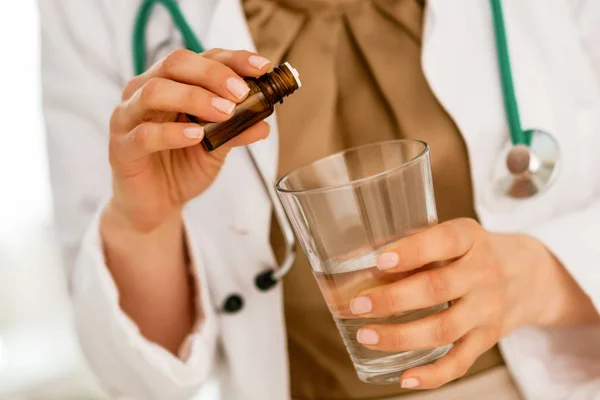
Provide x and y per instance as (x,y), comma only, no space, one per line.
(359,61)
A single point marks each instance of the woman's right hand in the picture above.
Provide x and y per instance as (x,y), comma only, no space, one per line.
(157,160)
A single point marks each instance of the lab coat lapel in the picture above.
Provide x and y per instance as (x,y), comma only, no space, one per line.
(228,29)
(123,13)
(460,63)
(261,367)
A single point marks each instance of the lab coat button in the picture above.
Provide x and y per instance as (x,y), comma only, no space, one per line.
(265,280)
(233,304)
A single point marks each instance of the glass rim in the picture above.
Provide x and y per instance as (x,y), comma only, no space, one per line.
(401,166)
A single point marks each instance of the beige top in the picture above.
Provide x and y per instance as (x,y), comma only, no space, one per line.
(359,61)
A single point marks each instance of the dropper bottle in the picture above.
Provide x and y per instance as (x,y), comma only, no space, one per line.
(265,92)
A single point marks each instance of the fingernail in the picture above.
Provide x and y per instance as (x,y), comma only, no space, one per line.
(410,383)
(258,62)
(361,305)
(194,132)
(367,336)
(237,87)
(223,105)
(387,260)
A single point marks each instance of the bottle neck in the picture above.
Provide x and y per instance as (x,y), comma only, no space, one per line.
(278,84)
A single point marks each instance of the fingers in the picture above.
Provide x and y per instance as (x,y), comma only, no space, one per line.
(218,71)
(151,137)
(441,242)
(430,332)
(423,289)
(204,85)
(243,63)
(160,95)
(195,69)
(452,366)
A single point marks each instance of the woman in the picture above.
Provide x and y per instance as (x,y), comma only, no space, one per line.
(169,238)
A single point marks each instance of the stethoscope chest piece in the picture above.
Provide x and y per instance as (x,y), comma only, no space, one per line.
(530,170)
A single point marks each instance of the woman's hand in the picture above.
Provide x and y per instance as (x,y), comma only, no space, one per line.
(158,165)
(157,161)
(496,282)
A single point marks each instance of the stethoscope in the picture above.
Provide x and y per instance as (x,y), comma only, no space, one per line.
(530,166)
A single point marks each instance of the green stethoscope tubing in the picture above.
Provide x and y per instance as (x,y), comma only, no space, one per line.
(139,31)
(517,134)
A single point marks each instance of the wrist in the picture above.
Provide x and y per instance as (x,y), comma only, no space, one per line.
(151,271)
(558,297)
(116,218)
(525,279)
(122,235)
(546,295)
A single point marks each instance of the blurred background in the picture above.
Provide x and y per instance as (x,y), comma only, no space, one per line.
(39,356)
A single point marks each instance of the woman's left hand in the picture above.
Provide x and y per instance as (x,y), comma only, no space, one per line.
(496,282)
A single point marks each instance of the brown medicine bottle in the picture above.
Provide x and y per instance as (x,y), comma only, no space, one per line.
(265,92)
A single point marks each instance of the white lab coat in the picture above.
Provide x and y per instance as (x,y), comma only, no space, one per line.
(556,59)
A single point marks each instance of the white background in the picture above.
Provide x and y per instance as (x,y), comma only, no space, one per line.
(39,356)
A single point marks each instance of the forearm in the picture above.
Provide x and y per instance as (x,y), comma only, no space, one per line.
(563,301)
(152,275)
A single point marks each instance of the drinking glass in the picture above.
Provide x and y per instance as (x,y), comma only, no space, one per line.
(345,209)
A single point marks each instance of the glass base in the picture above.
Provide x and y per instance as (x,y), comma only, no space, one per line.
(388,370)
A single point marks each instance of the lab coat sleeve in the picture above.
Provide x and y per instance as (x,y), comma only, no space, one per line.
(81,85)
(574,239)
(586,14)
(562,363)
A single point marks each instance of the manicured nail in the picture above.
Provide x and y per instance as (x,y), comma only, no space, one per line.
(387,260)
(361,305)
(410,383)
(194,132)
(223,105)
(367,336)
(258,62)
(237,87)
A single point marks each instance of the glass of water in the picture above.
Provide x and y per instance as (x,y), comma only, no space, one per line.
(345,209)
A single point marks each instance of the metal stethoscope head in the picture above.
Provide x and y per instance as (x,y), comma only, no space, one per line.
(531,169)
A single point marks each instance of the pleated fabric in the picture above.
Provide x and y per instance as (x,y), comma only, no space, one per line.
(360,65)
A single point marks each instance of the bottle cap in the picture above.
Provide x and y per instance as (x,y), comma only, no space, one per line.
(294,73)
